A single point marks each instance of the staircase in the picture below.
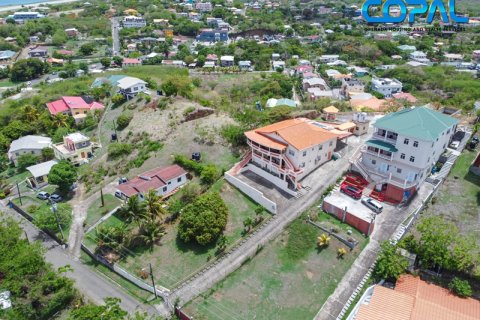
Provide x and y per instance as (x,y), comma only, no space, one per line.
(246,159)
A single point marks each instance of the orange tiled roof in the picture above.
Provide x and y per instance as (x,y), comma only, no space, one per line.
(428,301)
(330,109)
(299,133)
(372,103)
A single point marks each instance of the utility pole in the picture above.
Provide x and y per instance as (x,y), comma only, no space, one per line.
(153,281)
(54,209)
(101,195)
(19,195)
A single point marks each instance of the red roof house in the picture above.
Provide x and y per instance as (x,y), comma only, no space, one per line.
(165,181)
(128,62)
(72,106)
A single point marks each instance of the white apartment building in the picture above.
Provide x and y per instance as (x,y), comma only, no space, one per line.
(133,22)
(386,86)
(419,56)
(20,17)
(328,58)
(203,6)
(403,149)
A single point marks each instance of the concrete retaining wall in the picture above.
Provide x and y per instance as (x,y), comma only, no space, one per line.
(253,193)
(277,181)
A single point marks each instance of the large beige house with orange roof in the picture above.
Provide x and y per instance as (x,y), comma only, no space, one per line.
(414,299)
(287,151)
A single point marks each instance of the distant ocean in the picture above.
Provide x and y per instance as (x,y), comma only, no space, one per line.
(19,2)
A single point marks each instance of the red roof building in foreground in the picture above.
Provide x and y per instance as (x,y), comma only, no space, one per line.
(78,107)
(164,180)
(415,299)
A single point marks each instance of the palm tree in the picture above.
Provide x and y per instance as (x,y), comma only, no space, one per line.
(31,113)
(341,252)
(134,211)
(247,223)
(60,120)
(323,240)
(111,237)
(151,232)
(154,209)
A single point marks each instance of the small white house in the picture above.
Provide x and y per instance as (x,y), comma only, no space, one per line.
(131,86)
(28,145)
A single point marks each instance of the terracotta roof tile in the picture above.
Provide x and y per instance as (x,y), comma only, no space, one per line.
(299,133)
(415,299)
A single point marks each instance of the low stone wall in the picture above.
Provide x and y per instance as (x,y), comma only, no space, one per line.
(253,193)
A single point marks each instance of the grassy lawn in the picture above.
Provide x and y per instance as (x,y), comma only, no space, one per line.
(96,211)
(288,279)
(174,260)
(7,83)
(458,199)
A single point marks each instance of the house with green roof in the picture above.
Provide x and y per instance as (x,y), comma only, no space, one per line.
(403,149)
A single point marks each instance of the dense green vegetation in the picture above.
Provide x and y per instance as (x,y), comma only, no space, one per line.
(38,291)
(203,220)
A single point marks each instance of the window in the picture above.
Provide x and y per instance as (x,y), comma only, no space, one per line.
(164,189)
(320,147)
(432,144)
(444,146)
(399,170)
(357,128)
(374,161)
(291,152)
(169,182)
(302,165)
(428,160)
(406,141)
(179,179)
(402,156)
(415,144)
(304,153)
(331,143)
(448,131)
(412,159)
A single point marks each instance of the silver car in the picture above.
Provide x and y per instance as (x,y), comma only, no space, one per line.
(374,205)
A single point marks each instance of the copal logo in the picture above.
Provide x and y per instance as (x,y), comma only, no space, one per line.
(420,8)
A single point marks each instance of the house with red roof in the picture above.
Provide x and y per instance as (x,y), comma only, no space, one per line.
(77,107)
(131,62)
(164,180)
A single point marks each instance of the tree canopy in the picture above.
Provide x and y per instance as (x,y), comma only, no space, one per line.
(204,220)
(63,174)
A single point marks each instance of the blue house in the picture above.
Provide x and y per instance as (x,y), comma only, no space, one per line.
(213,36)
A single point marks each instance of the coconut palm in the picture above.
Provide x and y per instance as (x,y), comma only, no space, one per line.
(133,211)
(151,232)
(31,113)
(341,252)
(60,120)
(323,240)
(111,237)
(154,206)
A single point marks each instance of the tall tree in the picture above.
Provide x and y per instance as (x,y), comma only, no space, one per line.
(63,174)
(390,264)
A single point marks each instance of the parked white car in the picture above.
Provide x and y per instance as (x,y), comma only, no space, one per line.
(374,205)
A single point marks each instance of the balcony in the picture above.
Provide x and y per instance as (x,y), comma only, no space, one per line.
(386,137)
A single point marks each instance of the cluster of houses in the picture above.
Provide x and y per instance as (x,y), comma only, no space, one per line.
(75,148)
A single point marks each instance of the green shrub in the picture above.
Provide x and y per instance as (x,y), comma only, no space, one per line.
(118,149)
(123,121)
(460,287)
(188,110)
(233,134)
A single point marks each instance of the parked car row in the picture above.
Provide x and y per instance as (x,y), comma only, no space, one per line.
(356,194)
(47,196)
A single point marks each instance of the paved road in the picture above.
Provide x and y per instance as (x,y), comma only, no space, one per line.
(115,36)
(94,286)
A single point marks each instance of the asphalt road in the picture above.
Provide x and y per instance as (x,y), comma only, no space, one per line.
(91,284)
(115,37)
